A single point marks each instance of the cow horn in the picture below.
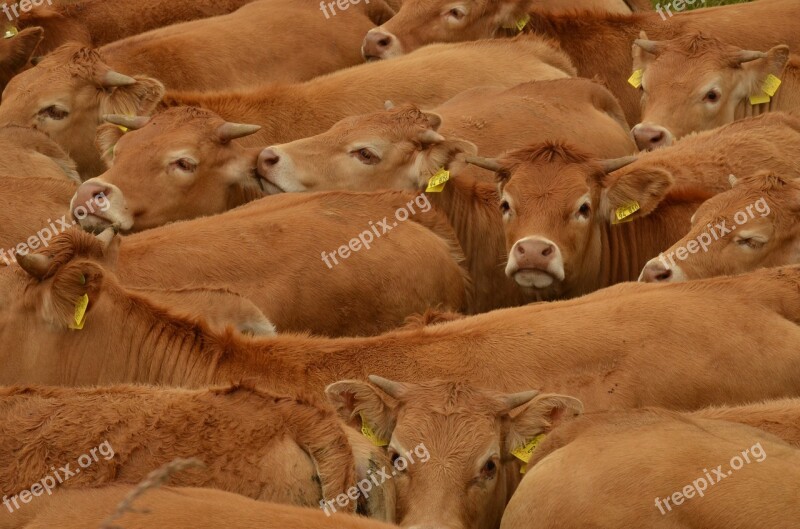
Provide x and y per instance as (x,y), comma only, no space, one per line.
(650,46)
(515,400)
(732,180)
(747,55)
(394,389)
(430,136)
(230,131)
(35,264)
(107,236)
(130,122)
(609,166)
(111,79)
(388,105)
(484,163)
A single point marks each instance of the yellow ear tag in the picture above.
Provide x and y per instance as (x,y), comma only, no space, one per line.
(524,452)
(438,180)
(771,85)
(623,212)
(123,129)
(370,434)
(10,32)
(520,24)
(759,99)
(635,80)
(80,312)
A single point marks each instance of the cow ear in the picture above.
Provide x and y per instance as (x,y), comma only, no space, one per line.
(760,69)
(635,193)
(543,413)
(137,99)
(17,51)
(106,139)
(378,11)
(448,154)
(363,407)
(510,12)
(74,292)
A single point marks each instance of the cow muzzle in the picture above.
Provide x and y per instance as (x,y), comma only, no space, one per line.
(656,271)
(649,136)
(535,262)
(380,44)
(98,205)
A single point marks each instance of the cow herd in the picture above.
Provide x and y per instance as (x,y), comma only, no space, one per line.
(470,264)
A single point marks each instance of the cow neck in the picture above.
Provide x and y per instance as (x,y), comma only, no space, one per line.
(472,208)
(627,247)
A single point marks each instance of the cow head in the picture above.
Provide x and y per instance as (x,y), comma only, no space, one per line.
(66,95)
(177,165)
(420,22)
(695,83)
(754,225)
(450,444)
(16,51)
(395,149)
(557,204)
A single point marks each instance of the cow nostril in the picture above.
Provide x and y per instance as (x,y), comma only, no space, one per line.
(547,251)
(664,275)
(384,42)
(269,157)
(101,193)
(520,249)
(658,137)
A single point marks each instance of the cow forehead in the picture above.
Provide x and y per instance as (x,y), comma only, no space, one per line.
(553,185)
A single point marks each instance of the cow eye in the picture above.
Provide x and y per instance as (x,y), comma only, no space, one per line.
(505,207)
(712,96)
(489,470)
(54,112)
(366,156)
(584,210)
(456,14)
(184,164)
(749,242)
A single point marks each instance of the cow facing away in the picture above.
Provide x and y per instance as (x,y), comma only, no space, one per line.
(253,442)
(178,165)
(15,52)
(572,226)
(469,433)
(696,82)
(691,472)
(756,224)
(27,152)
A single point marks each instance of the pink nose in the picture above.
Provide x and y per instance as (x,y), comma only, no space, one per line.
(534,254)
(377,44)
(267,160)
(656,272)
(649,137)
(88,192)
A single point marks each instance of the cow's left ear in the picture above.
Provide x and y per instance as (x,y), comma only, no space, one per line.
(440,153)
(542,414)
(512,12)
(137,99)
(634,193)
(364,408)
(760,66)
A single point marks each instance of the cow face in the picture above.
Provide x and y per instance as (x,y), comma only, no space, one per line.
(420,22)
(557,204)
(15,52)
(696,83)
(177,165)
(66,95)
(754,225)
(395,149)
(450,444)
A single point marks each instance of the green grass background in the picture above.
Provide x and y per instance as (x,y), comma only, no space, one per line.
(709,3)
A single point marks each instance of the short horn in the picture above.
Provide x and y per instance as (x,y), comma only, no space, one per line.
(388,105)
(747,55)
(37,265)
(732,179)
(484,163)
(130,122)
(394,389)
(650,46)
(111,79)
(609,166)
(515,400)
(230,131)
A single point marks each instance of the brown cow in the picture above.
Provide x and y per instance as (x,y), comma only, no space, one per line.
(16,51)
(76,88)
(173,507)
(717,84)
(253,442)
(777,417)
(468,434)
(706,159)
(179,165)
(756,224)
(662,470)
(27,152)
(348,245)
(567,218)
(570,347)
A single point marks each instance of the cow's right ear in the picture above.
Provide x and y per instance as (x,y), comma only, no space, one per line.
(137,99)
(634,194)
(363,407)
(542,414)
(17,51)
(106,139)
